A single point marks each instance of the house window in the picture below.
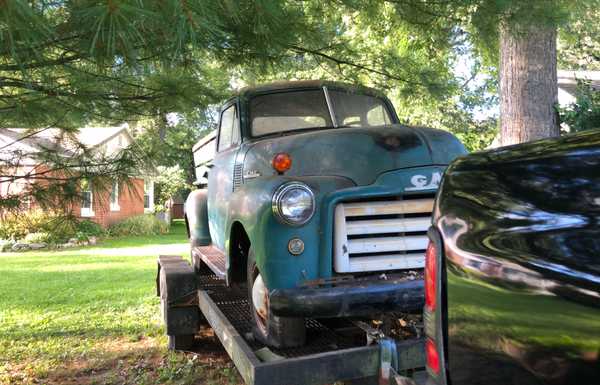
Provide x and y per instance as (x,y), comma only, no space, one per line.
(114,197)
(86,199)
(148,195)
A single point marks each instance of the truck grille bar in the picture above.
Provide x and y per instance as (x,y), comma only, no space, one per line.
(381,235)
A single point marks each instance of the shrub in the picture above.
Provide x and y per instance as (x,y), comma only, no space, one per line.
(584,114)
(17,226)
(62,228)
(58,226)
(89,228)
(139,225)
(38,238)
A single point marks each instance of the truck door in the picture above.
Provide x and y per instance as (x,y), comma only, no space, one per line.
(220,177)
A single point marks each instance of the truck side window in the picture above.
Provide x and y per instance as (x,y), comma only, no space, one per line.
(229,133)
(225,128)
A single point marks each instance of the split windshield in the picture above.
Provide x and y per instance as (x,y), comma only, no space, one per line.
(301,110)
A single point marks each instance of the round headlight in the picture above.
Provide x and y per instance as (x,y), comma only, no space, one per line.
(294,203)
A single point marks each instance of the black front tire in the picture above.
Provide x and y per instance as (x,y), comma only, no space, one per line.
(278,332)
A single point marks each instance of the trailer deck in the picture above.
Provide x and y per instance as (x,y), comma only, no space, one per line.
(335,351)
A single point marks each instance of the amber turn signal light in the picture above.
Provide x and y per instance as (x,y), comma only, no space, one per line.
(282,162)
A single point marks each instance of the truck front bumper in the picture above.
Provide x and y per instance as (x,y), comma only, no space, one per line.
(357,298)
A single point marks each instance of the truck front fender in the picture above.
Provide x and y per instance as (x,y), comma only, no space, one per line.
(251,206)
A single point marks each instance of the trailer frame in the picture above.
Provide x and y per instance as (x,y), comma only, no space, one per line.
(222,309)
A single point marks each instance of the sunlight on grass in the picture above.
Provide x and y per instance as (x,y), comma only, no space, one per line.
(87,307)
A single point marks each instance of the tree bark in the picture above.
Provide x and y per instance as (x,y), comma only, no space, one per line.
(528,84)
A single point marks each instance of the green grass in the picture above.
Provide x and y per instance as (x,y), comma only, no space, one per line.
(90,315)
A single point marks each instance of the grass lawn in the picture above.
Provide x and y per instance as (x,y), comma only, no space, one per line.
(90,316)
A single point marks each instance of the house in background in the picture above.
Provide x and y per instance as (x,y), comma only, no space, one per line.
(175,207)
(103,206)
(567,84)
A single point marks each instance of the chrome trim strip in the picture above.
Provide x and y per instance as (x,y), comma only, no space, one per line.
(330,107)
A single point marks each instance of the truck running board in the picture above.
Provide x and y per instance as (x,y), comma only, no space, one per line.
(212,257)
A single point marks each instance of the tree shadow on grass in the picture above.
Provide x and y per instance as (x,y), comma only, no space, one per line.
(145,361)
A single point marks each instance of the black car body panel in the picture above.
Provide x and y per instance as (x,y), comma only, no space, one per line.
(520,228)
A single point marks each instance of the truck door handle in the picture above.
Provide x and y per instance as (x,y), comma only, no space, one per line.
(209,165)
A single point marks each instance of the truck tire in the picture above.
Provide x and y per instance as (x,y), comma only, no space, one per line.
(278,332)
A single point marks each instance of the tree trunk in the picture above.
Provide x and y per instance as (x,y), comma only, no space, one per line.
(528,85)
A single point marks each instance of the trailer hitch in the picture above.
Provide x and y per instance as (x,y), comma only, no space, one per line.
(388,356)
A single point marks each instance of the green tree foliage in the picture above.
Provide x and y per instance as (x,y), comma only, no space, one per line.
(579,43)
(168,182)
(168,142)
(407,48)
(68,64)
(584,114)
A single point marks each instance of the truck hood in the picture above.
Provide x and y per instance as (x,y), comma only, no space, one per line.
(360,154)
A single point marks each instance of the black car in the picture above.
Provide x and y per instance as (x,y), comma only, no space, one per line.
(513,266)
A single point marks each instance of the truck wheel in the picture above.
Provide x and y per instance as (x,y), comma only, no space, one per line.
(279,332)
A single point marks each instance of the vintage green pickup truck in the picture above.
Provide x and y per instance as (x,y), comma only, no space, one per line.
(314,198)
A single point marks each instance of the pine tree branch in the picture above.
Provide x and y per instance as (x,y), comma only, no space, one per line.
(18,83)
(40,64)
(351,64)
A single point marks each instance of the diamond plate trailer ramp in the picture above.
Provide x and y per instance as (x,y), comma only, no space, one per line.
(331,354)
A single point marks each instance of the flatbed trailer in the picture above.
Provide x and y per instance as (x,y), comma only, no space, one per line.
(335,351)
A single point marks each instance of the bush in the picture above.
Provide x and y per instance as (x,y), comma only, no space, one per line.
(59,227)
(89,228)
(15,226)
(38,238)
(140,225)
(584,114)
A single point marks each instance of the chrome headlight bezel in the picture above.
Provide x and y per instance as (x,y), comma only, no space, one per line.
(277,202)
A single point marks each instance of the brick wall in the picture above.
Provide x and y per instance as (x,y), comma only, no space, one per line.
(131,203)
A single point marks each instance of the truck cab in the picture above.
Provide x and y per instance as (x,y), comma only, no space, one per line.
(314,199)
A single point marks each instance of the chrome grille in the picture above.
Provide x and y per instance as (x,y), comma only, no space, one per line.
(381,235)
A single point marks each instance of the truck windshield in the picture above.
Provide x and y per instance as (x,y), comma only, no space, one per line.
(300,110)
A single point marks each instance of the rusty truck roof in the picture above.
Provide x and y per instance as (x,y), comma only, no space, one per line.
(302,84)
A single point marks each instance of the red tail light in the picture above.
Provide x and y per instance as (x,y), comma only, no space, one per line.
(431,356)
(430,276)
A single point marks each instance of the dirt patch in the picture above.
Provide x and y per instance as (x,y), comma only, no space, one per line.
(122,361)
